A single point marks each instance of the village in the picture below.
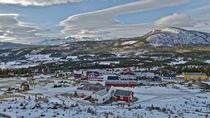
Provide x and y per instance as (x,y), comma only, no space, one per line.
(137,93)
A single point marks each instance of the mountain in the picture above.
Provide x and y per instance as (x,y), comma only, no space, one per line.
(58,41)
(5,45)
(177,36)
(65,40)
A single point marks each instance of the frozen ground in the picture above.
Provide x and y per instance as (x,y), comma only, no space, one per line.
(43,100)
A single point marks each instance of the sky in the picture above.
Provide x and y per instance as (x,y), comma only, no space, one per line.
(32,21)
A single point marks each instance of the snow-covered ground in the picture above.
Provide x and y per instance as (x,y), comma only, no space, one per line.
(30,61)
(128,42)
(43,100)
(207,61)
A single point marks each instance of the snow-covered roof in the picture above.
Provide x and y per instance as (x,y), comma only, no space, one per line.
(90,87)
(127,77)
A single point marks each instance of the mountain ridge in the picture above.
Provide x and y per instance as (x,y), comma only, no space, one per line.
(177,36)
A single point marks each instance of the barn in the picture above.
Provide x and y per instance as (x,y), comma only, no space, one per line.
(123,95)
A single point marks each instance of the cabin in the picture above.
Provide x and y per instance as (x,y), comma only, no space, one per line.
(195,76)
(95,93)
(120,83)
(123,95)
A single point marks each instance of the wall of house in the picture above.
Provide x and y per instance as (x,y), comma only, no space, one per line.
(196,77)
(121,84)
(124,98)
(84,92)
(103,98)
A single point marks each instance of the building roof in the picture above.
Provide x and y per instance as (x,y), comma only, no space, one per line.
(99,77)
(102,93)
(195,73)
(90,87)
(145,74)
(179,76)
(95,72)
(121,82)
(169,75)
(122,93)
(127,77)
(112,78)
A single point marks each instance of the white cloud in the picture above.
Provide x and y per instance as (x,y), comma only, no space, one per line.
(175,20)
(13,30)
(37,2)
(103,20)
(183,21)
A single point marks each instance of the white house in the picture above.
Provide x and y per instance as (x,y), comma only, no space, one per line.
(95,93)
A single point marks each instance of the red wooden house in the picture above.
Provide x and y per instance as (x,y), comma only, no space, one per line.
(123,95)
(128,73)
(92,74)
(121,83)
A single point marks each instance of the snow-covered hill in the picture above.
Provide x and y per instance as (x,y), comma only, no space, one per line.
(4,45)
(177,36)
(64,40)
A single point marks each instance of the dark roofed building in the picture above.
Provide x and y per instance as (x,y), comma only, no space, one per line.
(169,76)
(123,95)
(90,87)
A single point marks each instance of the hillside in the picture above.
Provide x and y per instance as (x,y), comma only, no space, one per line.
(6,45)
(177,36)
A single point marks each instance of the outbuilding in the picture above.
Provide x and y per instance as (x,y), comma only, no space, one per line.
(123,95)
(121,83)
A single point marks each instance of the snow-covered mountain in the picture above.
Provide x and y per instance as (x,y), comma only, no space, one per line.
(65,40)
(58,41)
(177,36)
(5,45)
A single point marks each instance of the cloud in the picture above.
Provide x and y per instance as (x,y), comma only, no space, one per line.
(183,21)
(175,20)
(37,2)
(13,30)
(103,20)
